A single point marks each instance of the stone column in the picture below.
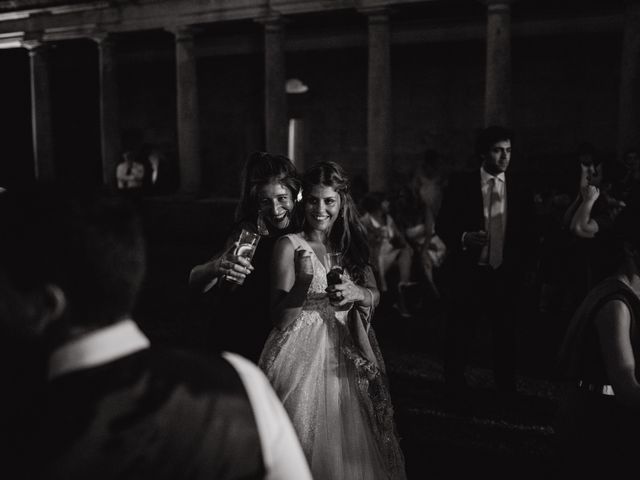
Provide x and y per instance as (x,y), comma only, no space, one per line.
(41,121)
(379,101)
(497,97)
(275,94)
(628,124)
(187,103)
(111,144)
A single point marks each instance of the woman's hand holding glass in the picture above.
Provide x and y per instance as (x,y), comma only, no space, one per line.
(345,293)
(233,268)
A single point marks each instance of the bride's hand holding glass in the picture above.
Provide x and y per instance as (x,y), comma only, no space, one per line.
(345,293)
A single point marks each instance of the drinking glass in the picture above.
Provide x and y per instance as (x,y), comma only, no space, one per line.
(333,263)
(247,243)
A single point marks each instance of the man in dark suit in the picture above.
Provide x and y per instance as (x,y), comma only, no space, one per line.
(487,223)
(112,405)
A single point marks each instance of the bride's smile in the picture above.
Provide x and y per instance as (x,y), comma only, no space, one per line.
(321,207)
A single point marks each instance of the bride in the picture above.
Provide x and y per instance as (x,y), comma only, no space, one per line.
(322,357)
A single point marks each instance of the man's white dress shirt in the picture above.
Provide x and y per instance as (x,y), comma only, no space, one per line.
(281,451)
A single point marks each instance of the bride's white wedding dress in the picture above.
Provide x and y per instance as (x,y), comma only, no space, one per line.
(327,369)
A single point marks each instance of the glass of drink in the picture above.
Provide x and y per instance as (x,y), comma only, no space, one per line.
(247,243)
(333,262)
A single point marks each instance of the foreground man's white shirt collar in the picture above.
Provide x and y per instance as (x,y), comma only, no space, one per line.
(97,348)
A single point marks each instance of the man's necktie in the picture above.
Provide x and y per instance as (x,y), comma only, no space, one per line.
(496,225)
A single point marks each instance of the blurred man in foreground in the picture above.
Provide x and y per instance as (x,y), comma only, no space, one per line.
(112,405)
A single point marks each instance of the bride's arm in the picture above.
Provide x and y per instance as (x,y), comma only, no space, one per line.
(291,275)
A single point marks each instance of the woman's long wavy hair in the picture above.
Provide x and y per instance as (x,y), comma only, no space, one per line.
(262,168)
(348,234)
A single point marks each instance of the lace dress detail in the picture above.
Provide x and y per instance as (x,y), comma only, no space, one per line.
(336,397)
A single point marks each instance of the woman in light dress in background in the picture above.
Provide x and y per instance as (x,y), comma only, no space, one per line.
(322,357)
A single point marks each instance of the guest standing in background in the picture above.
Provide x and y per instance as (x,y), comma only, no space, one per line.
(487,222)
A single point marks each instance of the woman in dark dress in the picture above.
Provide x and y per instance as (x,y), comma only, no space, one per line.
(270,188)
(599,417)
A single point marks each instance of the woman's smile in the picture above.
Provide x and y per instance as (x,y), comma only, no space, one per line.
(322,206)
(275,204)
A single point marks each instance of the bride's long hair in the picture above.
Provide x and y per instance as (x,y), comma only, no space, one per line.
(348,234)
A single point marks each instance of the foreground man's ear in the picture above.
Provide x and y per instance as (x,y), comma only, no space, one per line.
(53,303)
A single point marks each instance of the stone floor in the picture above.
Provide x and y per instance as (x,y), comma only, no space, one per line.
(496,432)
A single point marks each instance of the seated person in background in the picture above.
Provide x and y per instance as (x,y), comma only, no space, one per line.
(416,210)
(130,173)
(388,245)
(428,183)
(114,406)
